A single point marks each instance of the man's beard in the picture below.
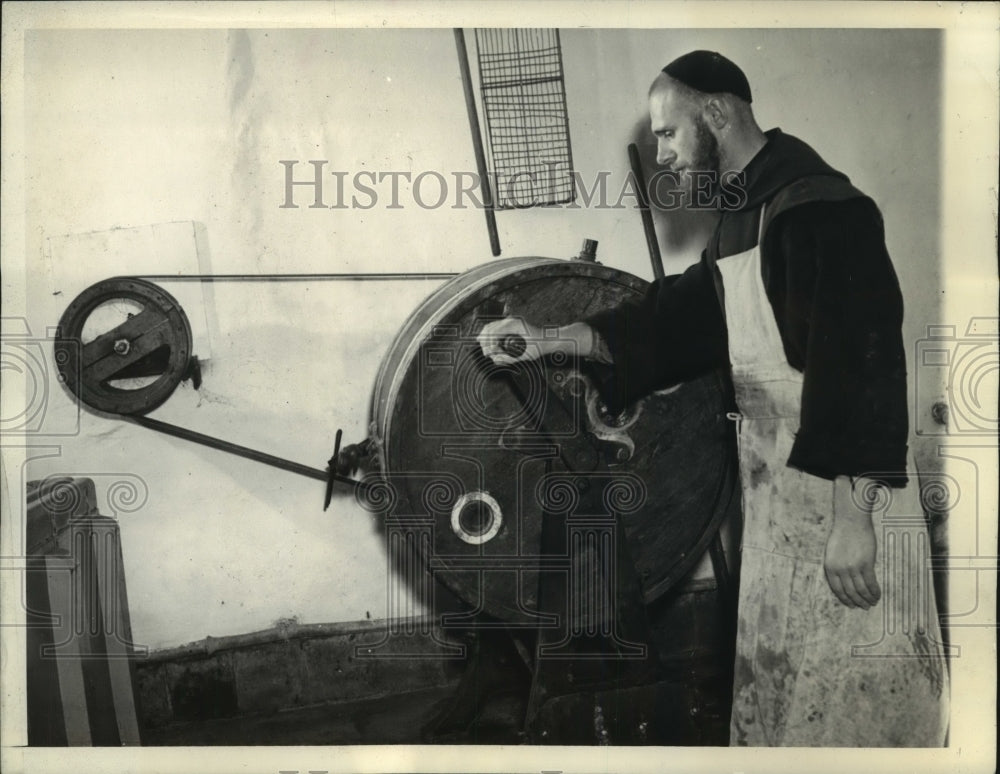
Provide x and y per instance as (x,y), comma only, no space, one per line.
(700,180)
(706,153)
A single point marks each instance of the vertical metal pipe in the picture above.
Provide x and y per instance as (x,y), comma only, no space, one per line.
(477,141)
(647,217)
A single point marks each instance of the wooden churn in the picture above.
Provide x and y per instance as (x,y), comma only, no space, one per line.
(540,510)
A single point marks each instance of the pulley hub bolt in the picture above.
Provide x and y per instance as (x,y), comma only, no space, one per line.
(122,346)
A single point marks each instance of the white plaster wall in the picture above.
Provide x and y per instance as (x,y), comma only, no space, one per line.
(130,128)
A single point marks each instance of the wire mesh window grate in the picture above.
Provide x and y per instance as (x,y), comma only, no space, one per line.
(527,127)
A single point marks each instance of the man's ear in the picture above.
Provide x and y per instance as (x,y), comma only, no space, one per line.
(716,113)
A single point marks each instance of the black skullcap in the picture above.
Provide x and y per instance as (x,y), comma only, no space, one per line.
(711,73)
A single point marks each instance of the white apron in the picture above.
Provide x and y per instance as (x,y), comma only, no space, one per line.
(809,670)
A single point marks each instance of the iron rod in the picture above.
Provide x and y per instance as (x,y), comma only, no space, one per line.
(240,451)
(477,141)
(647,217)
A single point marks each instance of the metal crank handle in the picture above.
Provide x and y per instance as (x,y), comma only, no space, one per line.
(513,344)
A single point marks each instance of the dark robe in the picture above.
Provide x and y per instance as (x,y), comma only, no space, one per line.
(836,301)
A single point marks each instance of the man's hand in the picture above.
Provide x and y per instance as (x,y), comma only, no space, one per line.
(495,334)
(576,340)
(850,550)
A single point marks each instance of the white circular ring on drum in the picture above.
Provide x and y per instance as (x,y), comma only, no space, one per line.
(491,527)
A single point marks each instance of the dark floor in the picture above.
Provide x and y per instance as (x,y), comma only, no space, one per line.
(395,719)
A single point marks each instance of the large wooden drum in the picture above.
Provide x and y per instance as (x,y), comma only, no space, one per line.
(486,456)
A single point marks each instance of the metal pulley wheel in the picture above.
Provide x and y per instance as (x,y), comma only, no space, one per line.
(123,345)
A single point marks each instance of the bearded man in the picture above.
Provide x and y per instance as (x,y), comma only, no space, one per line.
(795,295)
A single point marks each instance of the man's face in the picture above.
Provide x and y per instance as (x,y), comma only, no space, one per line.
(684,143)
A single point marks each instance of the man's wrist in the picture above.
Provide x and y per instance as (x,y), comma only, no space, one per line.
(575,339)
(855,497)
